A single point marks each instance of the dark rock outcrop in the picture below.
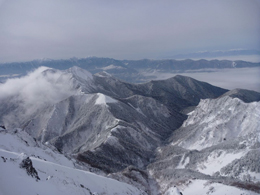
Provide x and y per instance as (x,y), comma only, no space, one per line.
(28,166)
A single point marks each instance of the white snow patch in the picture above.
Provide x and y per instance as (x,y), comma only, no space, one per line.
(255,176)
(137,109)
(113,141)
(190,113)
(103,74)
(172,191)
(81,73)
(199,187)
(112,66)
(115,128)
(183,162)
(217,160)
(103,99)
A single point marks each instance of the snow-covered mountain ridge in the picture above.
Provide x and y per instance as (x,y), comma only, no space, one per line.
(216,121)
(138,133)
(219,142)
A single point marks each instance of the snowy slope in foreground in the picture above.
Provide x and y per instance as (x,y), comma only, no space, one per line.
(57,174)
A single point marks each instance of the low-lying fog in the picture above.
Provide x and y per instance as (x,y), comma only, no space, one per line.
(245,78)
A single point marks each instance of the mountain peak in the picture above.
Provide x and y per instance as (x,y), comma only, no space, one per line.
(243,94)
(181,76)
(80,73)
(103,99)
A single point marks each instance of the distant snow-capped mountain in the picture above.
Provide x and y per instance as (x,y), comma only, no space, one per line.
(218,53)
(127,70)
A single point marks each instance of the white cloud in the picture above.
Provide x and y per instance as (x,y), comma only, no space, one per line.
(245,78)
(39,88)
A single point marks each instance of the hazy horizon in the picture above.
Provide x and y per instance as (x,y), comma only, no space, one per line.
(247,58)
(61,29)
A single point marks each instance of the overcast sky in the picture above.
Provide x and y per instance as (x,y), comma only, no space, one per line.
(35,29)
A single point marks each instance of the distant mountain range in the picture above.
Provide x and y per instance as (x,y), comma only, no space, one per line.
(127,70)
(218,53)
(162,137)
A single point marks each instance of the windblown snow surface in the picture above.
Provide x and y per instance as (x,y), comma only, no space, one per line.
(57,174)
